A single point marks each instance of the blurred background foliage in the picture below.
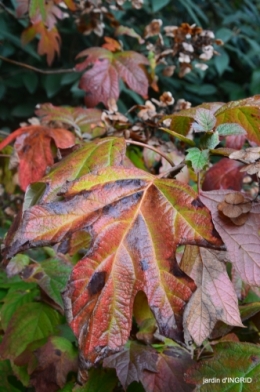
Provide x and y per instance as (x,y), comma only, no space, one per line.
(233,75)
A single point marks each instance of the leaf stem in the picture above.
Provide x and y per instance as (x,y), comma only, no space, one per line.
(151,148)
(42,71)
(5,155)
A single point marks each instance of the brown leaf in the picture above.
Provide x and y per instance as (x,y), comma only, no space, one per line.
(236,207)
(215,298)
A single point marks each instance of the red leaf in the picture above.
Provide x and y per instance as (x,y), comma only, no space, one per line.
(101,82)
(242,242)
(130,251)
(33,146)
(235,141)
(224,174)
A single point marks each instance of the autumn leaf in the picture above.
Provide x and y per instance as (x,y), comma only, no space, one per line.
(101,82)
(245,112)
(132,361)
(242,242)
(33,147)
(86,121)
(55,360)
(49,42)
(131,251)
(91,156)
(31,322)
(224,174)
(230,362)
(215,298)
(157,372)
(124,30)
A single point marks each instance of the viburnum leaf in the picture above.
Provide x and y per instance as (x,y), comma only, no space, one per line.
(172,365)
(86,121)
(130,252)
(33,147)
(215,298)
(132,361)
(205,119)
(233,367)
(242,242)
(49,42)
(51,275)
(224,174)
(245,112)
(55,360)
(32,321)
(91,156)
(101,82)
(199,158)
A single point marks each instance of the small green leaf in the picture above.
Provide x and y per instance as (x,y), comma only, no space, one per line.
(100,380)
(30,80)
(13,301)
(206,119)
(5,372)
(209,140)
(230,129)
(199,159)
(51,276)
(31,322)
(157,5)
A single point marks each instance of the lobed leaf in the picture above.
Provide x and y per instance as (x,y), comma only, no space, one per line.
(215,298)
(199,158)
(242,242)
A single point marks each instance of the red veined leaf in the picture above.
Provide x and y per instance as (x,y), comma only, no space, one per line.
(111,44)
(101,82)
(84,120)
(215,298)
(235,141)
(242,242)
(131,251)
(224,174)
(49,42)
(33,146)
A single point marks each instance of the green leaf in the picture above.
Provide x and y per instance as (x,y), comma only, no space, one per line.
(13,301)
(31,322)
(206,119)
(51,276)
(52,84)
(199,159)
(222,61)
(157,5)
(30,80)
(232,362)
(5,372)
(209,140)
(230,129)
(100,380)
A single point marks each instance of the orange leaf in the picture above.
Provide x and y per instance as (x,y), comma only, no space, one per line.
(33,146)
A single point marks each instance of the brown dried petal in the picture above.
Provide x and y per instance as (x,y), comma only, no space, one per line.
(169,70)
(153,28)
(234,198)
(240,220)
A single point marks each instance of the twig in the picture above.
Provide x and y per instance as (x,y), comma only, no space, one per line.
(42,71)
(173,170)
(5,155)
(151,148)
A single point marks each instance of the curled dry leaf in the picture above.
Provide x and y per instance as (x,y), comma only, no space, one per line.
(249,155)
(215,298)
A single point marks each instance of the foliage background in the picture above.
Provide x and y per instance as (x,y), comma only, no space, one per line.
(233,75)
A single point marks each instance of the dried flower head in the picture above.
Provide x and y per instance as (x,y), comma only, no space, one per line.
(153,28)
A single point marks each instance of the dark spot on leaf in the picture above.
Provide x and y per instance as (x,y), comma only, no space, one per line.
(39,275)
(27,272)
(255,359)
(197,203)
(97,282)
(58,352)
(144,265)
